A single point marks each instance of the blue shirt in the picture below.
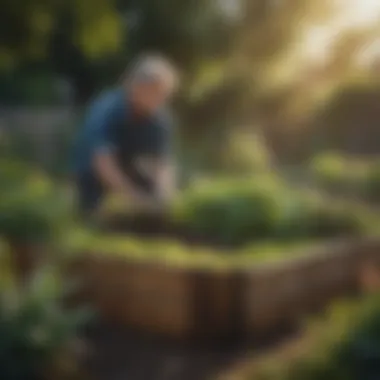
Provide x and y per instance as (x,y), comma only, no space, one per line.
(110,125)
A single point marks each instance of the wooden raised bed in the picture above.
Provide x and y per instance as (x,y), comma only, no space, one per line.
(280,294)
(215,304)
(162,299)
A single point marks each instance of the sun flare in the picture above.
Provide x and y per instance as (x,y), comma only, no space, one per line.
(348,15)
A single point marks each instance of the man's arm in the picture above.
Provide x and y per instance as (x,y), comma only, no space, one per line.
(109,173)
(164,177)
(104,121)
(164,168)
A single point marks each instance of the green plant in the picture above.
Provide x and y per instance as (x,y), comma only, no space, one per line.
(171,252)
(310,216)
(328,170)
(373,185)
(34,327)
(245,153)
(262,208)
(31,207)
(234,153)
(347,175)
(231,211)
(345,345)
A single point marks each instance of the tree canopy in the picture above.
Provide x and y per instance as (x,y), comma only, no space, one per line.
(276,63)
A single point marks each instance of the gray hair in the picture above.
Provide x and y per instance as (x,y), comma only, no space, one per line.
(152,68)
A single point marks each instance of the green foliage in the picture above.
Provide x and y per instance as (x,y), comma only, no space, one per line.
(28,32)
(262,208)
(343,346)
(347,176)
(173,252)
(328,168)
(17,145)
(34,327)
(189,30)
(309,215)
(31,208)
(238,153)
(373,184)
(231,211)
(32,87)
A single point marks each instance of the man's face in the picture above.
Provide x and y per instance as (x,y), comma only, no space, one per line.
(147,97)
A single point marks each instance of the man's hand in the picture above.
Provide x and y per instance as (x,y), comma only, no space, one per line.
(110,174)
(162,173)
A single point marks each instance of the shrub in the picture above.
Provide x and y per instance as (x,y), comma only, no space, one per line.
(33,213)
(31,208)
(262,208)
(328,169)
(245,153)
(231,211)
(340,174)
(347,175)
(345,345)
(373,185)
(232,153)
(307,215)
(34,327)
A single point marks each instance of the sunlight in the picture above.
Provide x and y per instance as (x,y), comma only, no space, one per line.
(349,15)
(358,13)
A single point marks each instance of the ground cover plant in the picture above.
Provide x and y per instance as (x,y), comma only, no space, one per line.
(346,175)
(343,345)
(260,217)
(232,212)
(176,252)
(38,334)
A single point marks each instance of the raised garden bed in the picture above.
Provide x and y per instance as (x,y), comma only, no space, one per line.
(212,284)
(206,269)
(341,344)
(165,289)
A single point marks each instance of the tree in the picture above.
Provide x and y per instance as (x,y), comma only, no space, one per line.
(27,26)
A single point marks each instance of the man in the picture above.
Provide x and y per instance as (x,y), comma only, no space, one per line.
(124,147)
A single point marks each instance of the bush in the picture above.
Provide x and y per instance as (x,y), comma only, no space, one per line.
(373,186)
(34,328)
(347,175)
(31,208)
(306,215)
(231,211)
(245,153)
(234,153)
(262,208)
(345,345)
(18,145)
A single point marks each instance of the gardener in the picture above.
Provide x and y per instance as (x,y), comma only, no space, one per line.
(125,143)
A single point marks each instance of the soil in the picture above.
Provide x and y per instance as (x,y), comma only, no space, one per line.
(121,354)
(159,226)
